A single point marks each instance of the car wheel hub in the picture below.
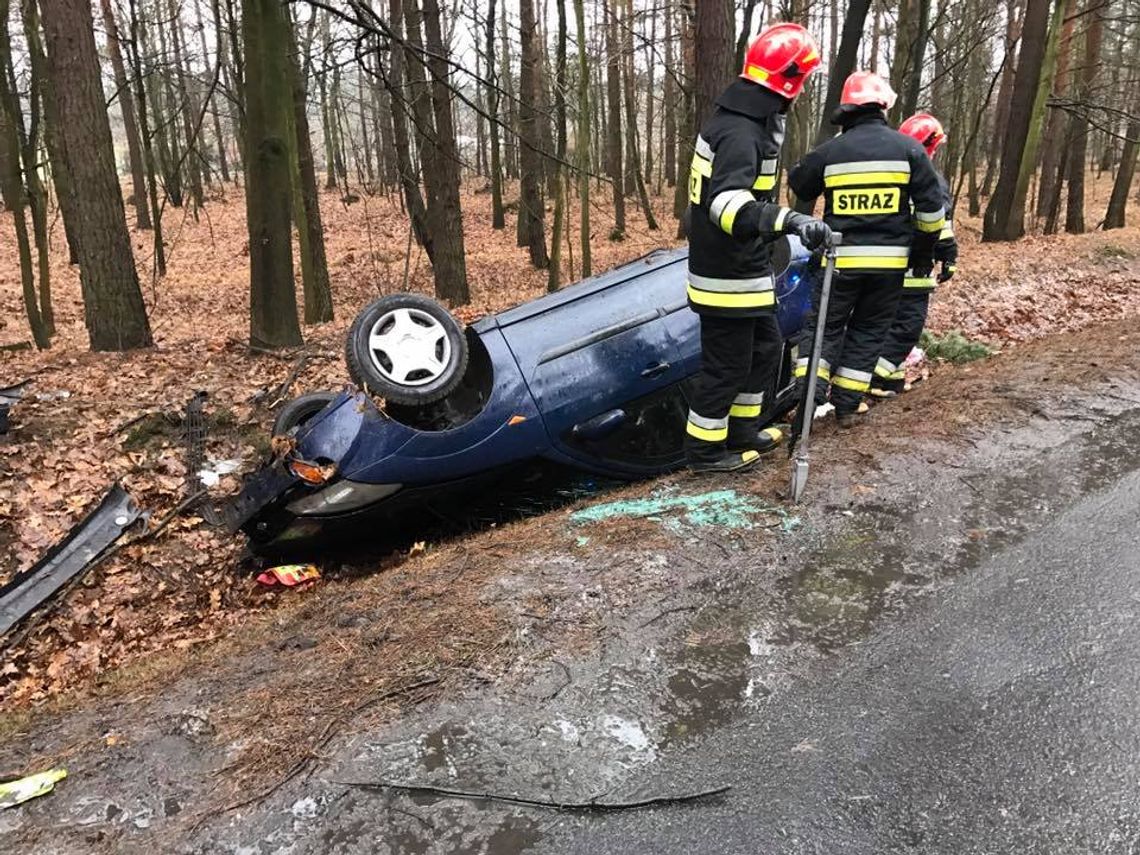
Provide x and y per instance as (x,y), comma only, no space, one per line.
(409,347)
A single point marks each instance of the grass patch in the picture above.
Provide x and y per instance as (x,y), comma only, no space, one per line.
(953,347)
(152,430)
(1112,251)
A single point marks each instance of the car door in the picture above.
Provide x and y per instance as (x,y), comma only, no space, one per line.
(588,360)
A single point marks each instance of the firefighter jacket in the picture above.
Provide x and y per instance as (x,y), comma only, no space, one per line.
(946,247)
(880,190)
(732,216)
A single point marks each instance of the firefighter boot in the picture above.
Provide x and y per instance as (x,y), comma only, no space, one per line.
(706,439)
(729,461)
(747,437)
(849,418)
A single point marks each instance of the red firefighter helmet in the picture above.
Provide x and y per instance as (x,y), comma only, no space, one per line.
(865,87)
(780,58)
(926,129)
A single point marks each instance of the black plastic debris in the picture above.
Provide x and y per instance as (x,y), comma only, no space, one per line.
(68,559)
(9,395)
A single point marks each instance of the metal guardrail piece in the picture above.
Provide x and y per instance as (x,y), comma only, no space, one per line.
(67,559)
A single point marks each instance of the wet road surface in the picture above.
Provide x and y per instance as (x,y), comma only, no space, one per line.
(1000,716)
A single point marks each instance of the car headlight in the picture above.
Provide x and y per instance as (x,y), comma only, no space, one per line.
(341,497)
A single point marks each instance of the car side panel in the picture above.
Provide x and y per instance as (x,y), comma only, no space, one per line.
(587,357)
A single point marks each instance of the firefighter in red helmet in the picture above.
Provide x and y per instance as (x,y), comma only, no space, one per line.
(910,317)
(882,193)
(733,219)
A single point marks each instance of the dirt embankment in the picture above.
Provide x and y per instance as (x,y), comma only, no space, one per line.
(95,418)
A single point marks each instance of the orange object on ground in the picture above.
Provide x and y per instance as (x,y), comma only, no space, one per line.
(290,575)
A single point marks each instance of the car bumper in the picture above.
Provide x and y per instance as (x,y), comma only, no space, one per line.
(261,492)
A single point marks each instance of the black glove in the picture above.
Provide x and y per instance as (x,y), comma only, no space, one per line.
(815,234)
(948,271)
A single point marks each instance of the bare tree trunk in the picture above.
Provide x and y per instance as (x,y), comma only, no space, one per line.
(445,218)
(531,224)
(189,109)
(1005,93)
(745,32)
(714,54)
(999,221)
(1036,119)
(687,132)
(916,55)
(1049,188)
(365,143)
(11,185)
(219,139)
(272,293)
(159,247)
(229,58)
(329,133)
(1078,153)
(631,121)
(843,64)
(1114,216)
(555,268)
(582,137)
(651,97)
(130,125)
(382,113)
(876,35)
(512,102)
(543,110)
(613,129)
(906,31)
(114,311)
(163,109)
(671,92)
(306,201)
(31,155)
(498,215)
(401,113)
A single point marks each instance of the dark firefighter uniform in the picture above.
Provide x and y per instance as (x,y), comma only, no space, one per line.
(882,193)
(730,284)
(910,317)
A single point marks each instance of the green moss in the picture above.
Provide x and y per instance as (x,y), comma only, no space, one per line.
(953,347)
(152,430)
(223,418)
(1112,251)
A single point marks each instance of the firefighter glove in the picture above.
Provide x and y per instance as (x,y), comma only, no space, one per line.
(948,271)
(814,233)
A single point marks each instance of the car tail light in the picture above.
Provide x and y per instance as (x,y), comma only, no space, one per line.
(312,473)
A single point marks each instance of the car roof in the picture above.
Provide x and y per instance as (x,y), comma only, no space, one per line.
(655,260)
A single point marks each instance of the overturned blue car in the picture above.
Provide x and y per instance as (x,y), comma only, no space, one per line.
(591,378)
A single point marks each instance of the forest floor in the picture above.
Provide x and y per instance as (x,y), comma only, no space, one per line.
(94,418)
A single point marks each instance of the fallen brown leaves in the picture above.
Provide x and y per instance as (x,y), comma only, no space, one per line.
(93,418)
(120,417)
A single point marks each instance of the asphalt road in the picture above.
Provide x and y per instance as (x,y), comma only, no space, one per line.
(1000,716)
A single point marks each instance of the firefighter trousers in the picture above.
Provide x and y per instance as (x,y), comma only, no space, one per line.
(859,316)
(910,318)
(740,366)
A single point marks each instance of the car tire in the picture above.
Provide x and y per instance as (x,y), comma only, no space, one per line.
(297,412)
(407,349)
